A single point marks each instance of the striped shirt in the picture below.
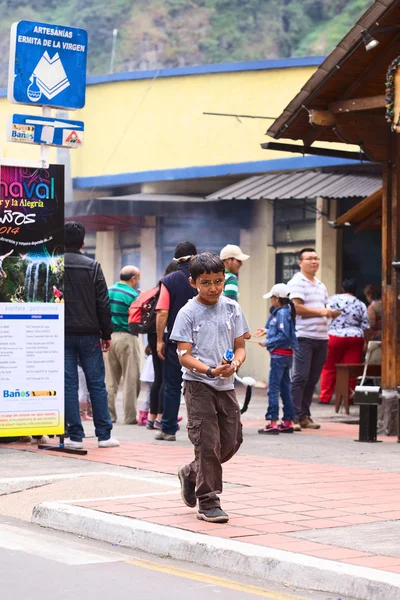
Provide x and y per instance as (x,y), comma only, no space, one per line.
(314,295)
(121,297)
(231,287)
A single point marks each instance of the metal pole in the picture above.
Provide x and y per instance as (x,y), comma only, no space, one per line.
(114,45)
(64,158)
(45,148)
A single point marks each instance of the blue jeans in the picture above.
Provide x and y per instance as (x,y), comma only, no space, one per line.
(309,359)
(86,348)
(279,384)
(172,389)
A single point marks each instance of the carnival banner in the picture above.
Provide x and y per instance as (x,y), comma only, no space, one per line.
(31,301)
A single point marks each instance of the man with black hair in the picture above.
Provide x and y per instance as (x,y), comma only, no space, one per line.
(205,329)
(123,360)
(175,292)
(310,296)
(87,335)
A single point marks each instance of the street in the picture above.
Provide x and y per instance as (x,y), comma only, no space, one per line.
(64,566)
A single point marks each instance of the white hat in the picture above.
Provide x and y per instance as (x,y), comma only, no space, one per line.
(280,290)
(231,251)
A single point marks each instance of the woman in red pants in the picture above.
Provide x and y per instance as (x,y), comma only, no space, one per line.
(346,337)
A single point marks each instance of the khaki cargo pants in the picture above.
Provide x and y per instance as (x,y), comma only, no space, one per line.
(215,430)
(123,360)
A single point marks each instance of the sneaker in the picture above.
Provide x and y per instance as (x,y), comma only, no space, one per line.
(166,437)
(212,515)
(110,443)
(150,424)
(72,444)
(296,426)
(286,427)
(270,430)
(188,489)
(157,424)
(308,423)
(143,414)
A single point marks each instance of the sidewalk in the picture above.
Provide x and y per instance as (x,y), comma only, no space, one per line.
(346,515)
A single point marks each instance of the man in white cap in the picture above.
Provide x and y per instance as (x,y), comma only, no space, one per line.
(233,258)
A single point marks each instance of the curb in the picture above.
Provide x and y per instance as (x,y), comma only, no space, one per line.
(230,556)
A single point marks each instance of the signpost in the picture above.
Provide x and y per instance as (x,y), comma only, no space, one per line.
(47,68)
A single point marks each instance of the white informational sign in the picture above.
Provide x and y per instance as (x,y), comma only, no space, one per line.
(31,301)
(31,368)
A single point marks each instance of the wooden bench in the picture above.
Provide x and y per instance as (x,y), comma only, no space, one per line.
(343,375)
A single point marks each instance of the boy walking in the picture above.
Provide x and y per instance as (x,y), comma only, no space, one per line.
(205,328)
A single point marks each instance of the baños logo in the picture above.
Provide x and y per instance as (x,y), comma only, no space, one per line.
(19,394)
(15,189)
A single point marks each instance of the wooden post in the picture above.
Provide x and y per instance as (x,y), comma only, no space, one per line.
(390,284)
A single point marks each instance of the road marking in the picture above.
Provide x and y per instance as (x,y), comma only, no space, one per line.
(213,580)
(66,551)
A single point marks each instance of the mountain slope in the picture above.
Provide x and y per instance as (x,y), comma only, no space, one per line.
(170,33)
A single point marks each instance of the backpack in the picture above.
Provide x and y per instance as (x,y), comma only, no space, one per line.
(142,312)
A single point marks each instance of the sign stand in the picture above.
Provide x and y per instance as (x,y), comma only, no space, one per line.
(61,448)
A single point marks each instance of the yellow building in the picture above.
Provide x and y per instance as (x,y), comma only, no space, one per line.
(152,155)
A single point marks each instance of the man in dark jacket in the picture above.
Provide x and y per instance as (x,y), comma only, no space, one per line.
(87,335)
(175,292)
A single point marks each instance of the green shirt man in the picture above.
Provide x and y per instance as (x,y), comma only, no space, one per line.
(122,294)
(233,258)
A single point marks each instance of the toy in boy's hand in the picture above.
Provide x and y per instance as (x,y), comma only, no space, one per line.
(227,366)
(228,357)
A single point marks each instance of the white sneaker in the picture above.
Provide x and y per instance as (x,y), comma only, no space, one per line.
(72,444)
(110,443)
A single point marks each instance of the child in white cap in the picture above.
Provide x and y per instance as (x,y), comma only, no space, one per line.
(280,342)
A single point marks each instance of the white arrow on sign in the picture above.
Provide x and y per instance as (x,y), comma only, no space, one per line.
(49,127)
(55,124)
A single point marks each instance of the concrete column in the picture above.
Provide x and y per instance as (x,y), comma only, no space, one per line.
(108,254)
(326,243)
(256,278)
(148,254)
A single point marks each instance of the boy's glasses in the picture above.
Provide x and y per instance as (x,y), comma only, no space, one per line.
(207,283)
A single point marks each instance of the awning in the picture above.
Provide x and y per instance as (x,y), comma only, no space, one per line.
(300,185)
(367,214)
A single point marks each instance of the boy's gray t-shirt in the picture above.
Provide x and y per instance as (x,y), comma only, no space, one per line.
(211,330)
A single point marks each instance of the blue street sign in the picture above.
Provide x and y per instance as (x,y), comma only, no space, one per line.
(43,130)
(47,65)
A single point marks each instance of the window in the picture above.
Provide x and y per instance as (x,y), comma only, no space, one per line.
(294,222)
(286,266)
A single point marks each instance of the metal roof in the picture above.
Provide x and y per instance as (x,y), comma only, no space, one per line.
(299,185)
